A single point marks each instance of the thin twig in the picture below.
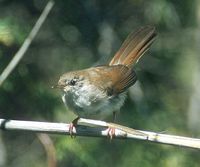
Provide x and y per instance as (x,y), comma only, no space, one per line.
(49,149)
(18,56)
(99,131)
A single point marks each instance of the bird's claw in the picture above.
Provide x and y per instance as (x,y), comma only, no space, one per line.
(72,130)
(111,132)
(72,127)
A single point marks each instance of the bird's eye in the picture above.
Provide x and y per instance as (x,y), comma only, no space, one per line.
(72,82)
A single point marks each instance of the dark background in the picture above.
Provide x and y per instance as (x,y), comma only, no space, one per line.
(80,34)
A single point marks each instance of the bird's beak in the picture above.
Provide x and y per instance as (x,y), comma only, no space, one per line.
(58,86)
(61,86)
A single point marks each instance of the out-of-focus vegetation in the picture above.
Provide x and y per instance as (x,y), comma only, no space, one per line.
(79,34)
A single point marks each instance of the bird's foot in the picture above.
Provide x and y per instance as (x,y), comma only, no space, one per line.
(111,132)
(72,130)
(72,127)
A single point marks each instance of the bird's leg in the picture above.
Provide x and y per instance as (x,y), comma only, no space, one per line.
(114,116)
(111,130)
(72,126)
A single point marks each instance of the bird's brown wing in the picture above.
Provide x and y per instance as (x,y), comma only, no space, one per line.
(126,78)
(115,79)
(136,44)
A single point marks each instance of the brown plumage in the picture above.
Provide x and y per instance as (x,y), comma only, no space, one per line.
(98,91)
(135,45)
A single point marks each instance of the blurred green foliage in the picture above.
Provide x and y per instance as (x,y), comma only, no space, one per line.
(79,34)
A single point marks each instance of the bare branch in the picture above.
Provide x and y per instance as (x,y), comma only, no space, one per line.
(101,131)
(49,149)
(18,56)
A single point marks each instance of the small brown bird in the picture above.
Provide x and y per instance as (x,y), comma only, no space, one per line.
(97,92)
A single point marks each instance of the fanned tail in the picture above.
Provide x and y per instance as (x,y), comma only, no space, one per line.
(136,44)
